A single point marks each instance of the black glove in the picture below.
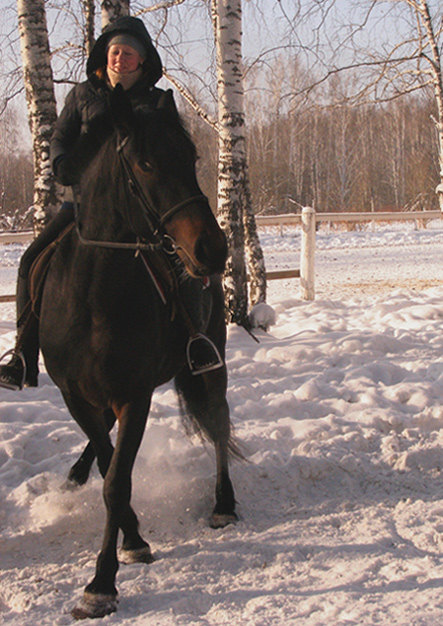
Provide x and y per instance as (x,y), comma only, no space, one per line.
(65,172)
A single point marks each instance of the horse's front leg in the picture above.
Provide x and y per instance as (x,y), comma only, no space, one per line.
(100,596)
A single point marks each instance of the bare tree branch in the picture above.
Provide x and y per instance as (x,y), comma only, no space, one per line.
(191,100)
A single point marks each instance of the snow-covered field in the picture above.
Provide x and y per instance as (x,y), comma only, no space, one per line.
(339,410)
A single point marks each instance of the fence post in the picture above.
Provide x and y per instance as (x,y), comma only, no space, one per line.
(307,253)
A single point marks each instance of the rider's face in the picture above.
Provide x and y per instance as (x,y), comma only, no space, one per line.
(123,59)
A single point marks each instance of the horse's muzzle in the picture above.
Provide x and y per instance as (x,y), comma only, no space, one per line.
(211,252)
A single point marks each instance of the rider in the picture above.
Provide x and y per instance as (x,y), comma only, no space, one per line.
(123,54)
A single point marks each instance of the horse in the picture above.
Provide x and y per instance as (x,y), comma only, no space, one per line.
(111,332)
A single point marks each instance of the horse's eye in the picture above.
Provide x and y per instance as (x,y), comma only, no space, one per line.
(145,166)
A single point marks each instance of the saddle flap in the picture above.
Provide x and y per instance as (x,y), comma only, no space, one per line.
(39,269)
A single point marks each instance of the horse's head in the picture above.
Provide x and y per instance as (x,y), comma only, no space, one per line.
(158,160)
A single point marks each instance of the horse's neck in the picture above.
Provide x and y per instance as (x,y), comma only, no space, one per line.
(103,198)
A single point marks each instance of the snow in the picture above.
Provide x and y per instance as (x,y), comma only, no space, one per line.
(338,410)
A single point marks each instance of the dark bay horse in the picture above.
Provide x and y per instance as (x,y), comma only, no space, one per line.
(108,337)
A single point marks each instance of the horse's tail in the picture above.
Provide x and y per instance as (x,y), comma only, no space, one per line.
(202,411)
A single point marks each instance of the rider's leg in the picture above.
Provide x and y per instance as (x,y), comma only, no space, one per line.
(202,355)
(27,344)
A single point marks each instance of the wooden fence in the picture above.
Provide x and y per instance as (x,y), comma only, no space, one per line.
(308,219)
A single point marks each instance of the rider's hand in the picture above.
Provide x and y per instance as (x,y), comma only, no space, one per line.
(65,173)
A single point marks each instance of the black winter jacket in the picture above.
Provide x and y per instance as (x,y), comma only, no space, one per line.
(87,101)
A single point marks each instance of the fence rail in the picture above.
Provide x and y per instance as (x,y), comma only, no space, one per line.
(23,236)
(376,216)
(308,219)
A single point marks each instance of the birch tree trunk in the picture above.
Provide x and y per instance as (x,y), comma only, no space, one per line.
(113,9)
(89,14)
(233,194)
(40,98)
(254,252)
(435,69)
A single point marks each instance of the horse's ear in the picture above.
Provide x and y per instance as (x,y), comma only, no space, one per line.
(121,109)
(167,103)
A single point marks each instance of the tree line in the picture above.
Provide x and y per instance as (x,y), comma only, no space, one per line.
(367,158)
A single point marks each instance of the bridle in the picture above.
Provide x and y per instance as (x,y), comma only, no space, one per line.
(160,239)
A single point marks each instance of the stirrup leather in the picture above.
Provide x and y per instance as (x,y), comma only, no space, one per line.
(11,386)
(201,368)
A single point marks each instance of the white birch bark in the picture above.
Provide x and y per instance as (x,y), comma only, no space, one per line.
(41,103)
(113,9)
(254,253)
(88,7)
(233,194)
(435,69)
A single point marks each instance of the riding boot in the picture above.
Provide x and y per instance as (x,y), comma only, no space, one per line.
(22,369)
(201,353)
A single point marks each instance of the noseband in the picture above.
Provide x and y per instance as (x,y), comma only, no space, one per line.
(160,239)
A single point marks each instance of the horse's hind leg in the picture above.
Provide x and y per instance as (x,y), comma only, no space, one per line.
(79,472)
(203,399)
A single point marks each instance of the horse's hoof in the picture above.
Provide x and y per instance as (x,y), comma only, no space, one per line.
(139,555)
(220,520)
(95,605)
(78,475)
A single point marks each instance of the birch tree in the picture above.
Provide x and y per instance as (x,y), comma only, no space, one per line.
(41,103)
(234,199)
(88,7)
(407,59)
(112,10)
(417,63)
(431,49)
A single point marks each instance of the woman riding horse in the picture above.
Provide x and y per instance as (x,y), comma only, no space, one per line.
(123,54)
(107,335)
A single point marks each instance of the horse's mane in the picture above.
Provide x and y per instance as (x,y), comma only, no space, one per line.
(155,135)
(149,128)
(158,124)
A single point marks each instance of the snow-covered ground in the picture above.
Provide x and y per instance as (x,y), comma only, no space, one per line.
(339,410)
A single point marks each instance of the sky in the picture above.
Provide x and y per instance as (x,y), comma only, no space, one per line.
(187,39)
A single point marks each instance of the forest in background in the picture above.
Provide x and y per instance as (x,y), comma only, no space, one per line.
(366,158)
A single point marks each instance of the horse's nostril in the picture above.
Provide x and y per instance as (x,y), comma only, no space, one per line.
(212,251)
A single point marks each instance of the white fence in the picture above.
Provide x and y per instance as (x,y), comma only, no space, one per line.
(308,219)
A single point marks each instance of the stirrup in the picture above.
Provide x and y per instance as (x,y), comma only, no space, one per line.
(13,386)
(214,362)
